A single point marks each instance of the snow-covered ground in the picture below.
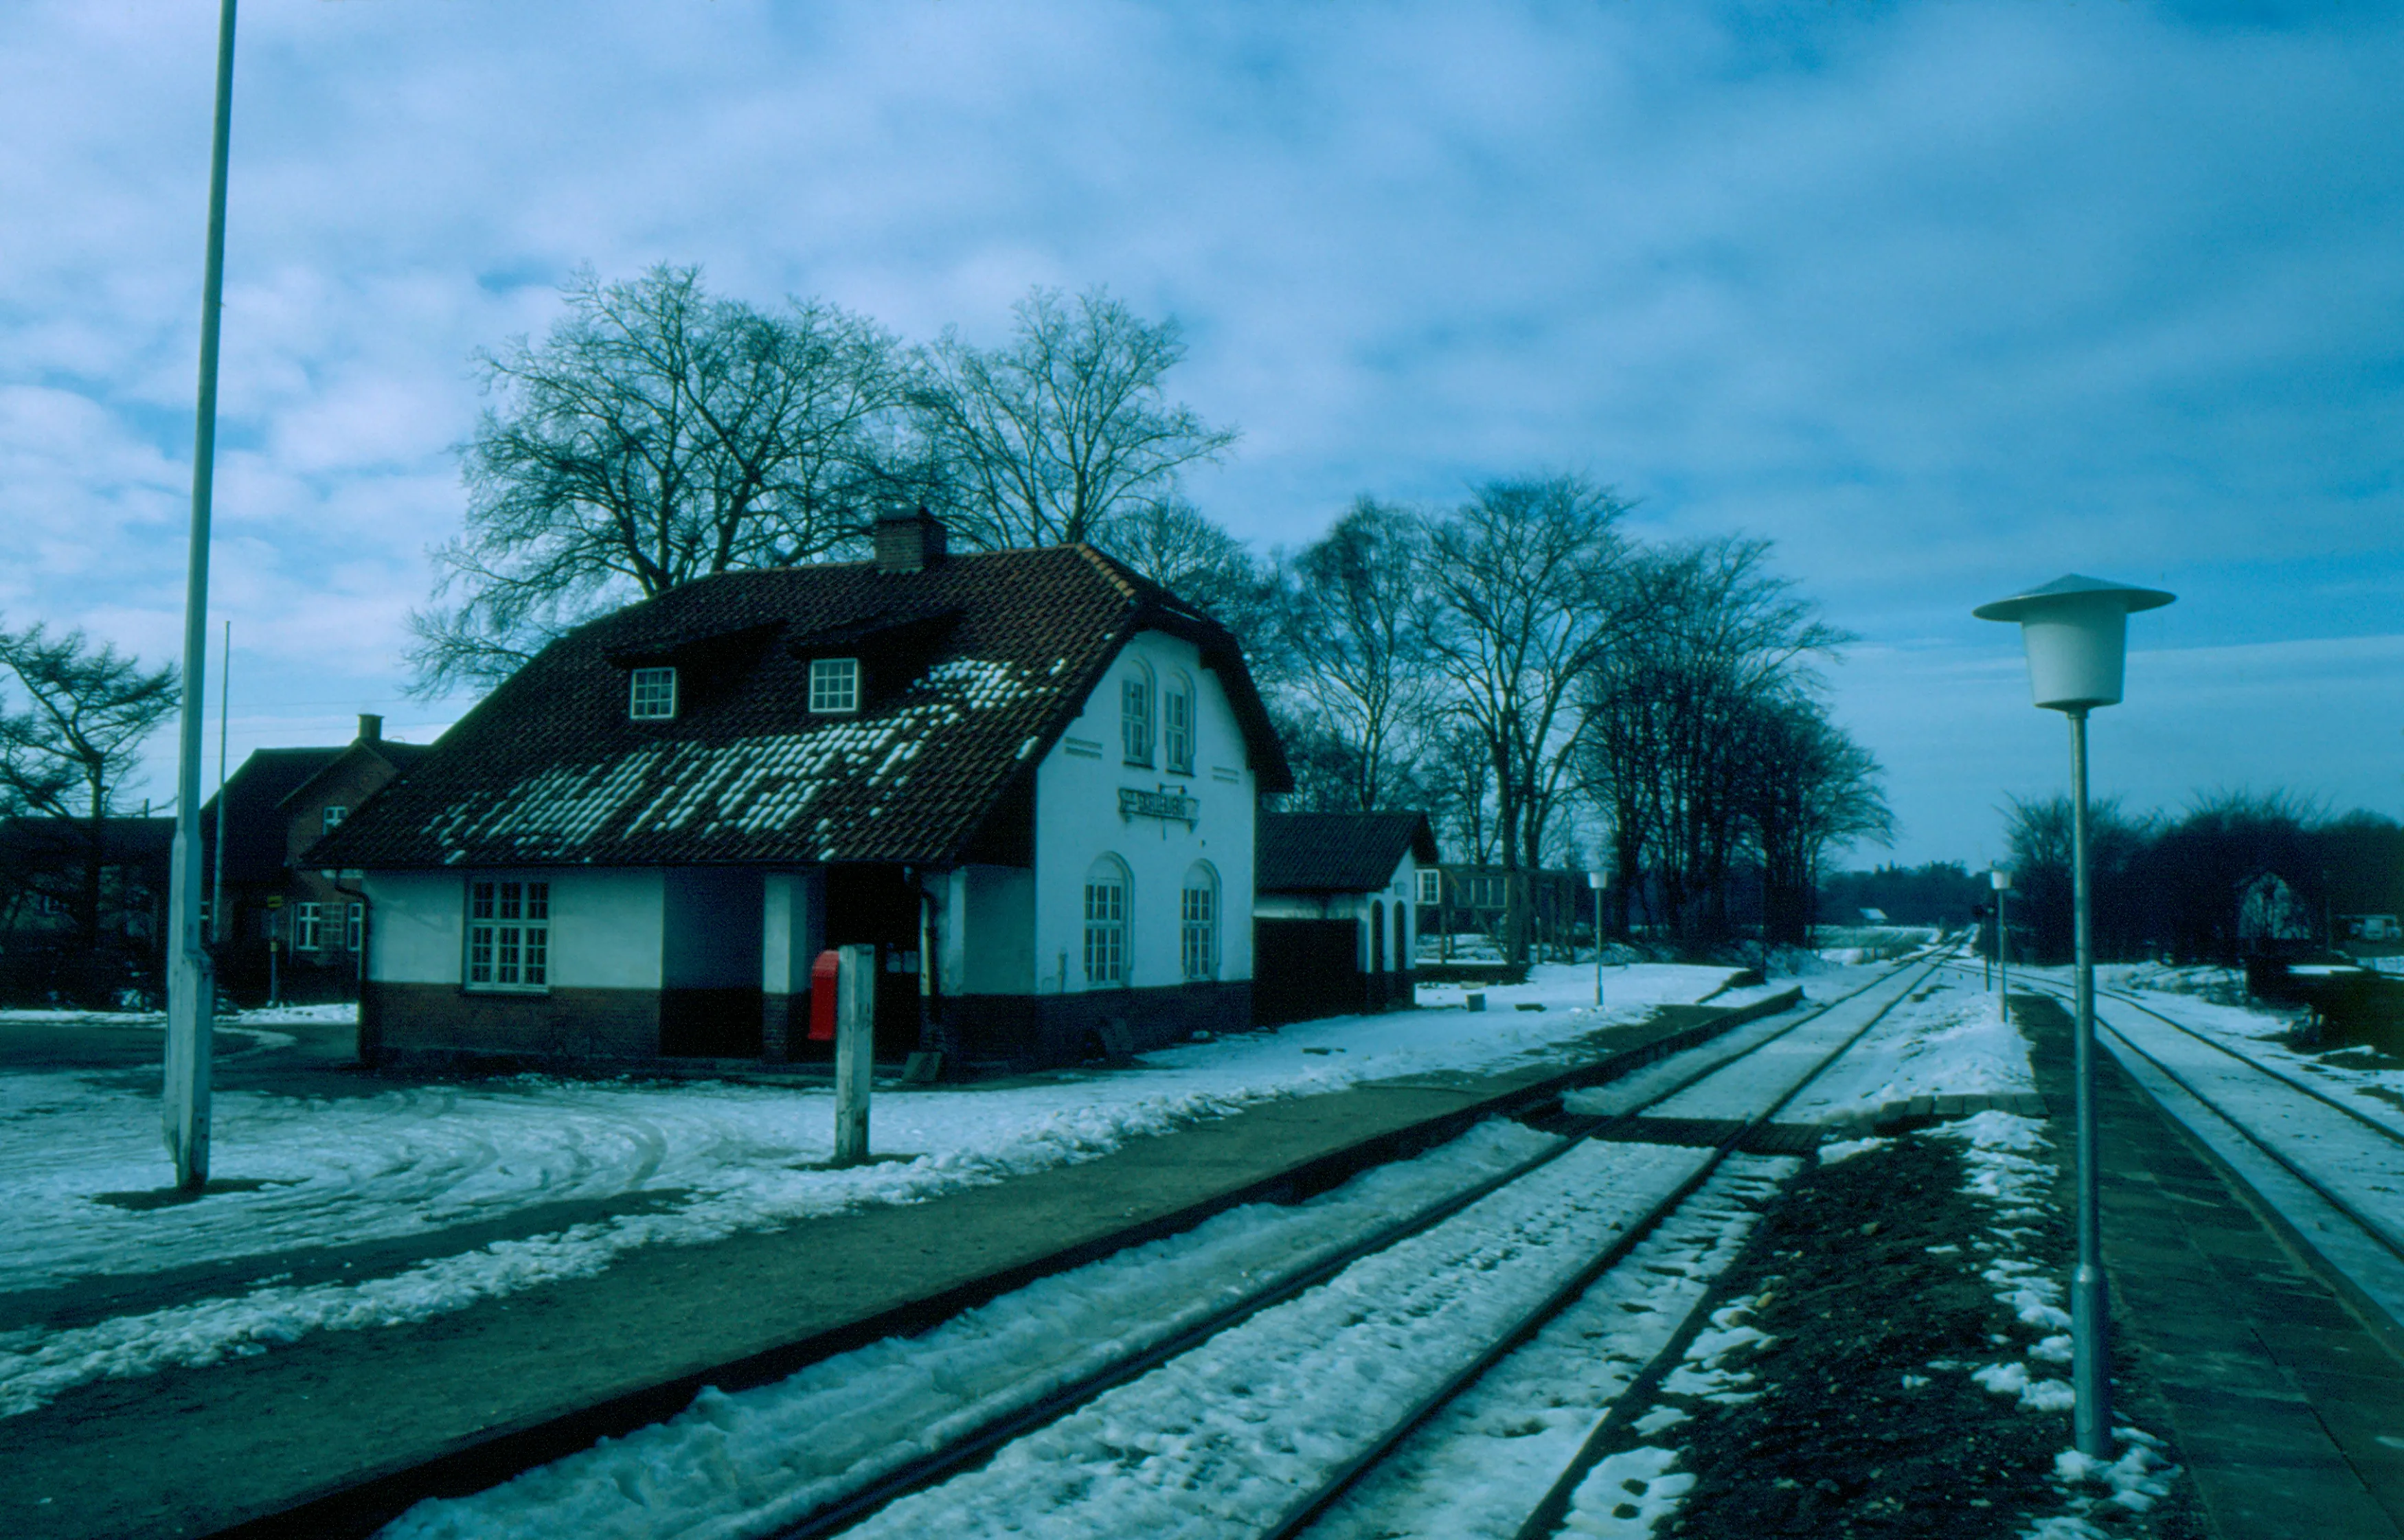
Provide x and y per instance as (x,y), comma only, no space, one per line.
(1951,1041)
(412,1165)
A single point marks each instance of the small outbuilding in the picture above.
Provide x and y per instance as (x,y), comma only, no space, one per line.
(1332,928)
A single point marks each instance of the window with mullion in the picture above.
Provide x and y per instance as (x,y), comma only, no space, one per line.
(1106,930)
(508,934)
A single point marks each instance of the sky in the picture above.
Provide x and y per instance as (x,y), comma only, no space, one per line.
(1946,299)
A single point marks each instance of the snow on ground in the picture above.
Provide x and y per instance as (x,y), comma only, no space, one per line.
(1478,1467)
(2199,999)
(1951,1039)
(747,1463)
(414,1162)
(1226,1435)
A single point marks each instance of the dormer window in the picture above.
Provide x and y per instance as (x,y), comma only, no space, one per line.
(834,685)
(334,814)
(655,698)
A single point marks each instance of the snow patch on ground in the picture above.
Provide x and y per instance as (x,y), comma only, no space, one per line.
(1952,1040)
(410,1163)
(748,1462)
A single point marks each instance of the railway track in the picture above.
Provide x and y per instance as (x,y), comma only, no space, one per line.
(1333,1307)
(2348,1160)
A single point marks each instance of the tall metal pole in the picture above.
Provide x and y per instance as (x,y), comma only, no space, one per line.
(2004,938)
(184,1108)
(225,712)
(2090,1321)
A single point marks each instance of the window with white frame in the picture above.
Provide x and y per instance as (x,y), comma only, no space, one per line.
(1177,724)
(354,926)
(335,813)
(1197,927)
(508,934)
(1431,884)
(308,920)
(1135,714)
(834,685)
(654,697)
(1106,922)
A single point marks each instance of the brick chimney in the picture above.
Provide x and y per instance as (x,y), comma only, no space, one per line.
(370,727)
(908,542)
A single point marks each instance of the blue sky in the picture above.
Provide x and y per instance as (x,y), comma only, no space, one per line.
(1947,300)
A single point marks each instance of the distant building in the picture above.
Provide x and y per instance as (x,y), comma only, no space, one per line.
(1457,898)
(1026,778)
(45,865)
(278,802)
(1332,898)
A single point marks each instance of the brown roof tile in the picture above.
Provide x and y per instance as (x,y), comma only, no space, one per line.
(983,659)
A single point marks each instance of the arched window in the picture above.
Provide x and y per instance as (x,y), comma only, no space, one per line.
(1106,922)
(1402,938)
(1177,723)
(1135,711)
(1377,936)
(1198,922)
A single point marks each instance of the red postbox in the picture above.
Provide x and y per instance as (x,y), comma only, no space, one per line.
(822,976)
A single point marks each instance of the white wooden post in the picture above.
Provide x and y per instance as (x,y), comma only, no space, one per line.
(854,1052)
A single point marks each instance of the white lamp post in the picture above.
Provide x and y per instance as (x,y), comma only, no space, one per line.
(2000,877)
(2077,630)
(1594,886)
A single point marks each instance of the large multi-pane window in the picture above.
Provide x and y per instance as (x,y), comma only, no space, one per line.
(1106,923)
(1177,724)
(834,684)
(508,934)
(654,694)
(1134,715)
(307,919)
(1198,923)
(1431,884)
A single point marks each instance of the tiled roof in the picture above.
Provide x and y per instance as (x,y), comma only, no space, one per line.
(257,827)
(1335,852)
(973,667)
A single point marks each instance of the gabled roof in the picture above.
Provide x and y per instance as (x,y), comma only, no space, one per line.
(1335,852)
(256,825)
(975,666)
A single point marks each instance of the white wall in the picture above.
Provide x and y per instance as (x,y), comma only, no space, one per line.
(989,932)
(1077,820)
(605,926)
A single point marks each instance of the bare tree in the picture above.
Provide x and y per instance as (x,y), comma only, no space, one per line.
(1807,788)
(654,436)
(1523,598)
(1352,631)
(1179,547)
(1722,637)
(1046,441)
(73,720)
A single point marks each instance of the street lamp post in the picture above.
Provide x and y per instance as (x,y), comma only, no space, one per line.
(2000,877)
(1594,886)
(2076,633)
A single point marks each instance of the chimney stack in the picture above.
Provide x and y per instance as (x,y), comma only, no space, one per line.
(370,727)
(908,542)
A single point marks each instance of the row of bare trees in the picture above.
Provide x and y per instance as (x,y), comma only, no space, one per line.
(659,433)
(1551,688)
(2234,873)
(1555,690)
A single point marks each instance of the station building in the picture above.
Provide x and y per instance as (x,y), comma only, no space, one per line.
(1028,778)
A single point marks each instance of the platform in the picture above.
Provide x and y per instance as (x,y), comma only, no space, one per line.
(2286,1406)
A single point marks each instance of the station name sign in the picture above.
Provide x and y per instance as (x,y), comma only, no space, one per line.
(1166,803)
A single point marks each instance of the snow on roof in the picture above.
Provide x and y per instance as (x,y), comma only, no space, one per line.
(969,670)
